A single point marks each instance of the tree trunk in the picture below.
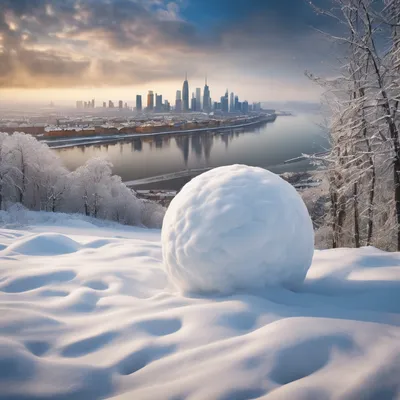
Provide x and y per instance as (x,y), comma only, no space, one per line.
(22,188)
(356,216)
(341,216)
(396,170)
(333,195)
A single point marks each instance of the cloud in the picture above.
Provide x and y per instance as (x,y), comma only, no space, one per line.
(74,43)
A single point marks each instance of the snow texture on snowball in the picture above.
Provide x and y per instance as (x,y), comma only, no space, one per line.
(237,227)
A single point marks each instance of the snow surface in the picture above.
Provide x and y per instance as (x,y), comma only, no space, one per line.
(100,320)
(237,227)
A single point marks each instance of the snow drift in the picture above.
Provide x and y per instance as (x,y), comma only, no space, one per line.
(237,227)
(103,322)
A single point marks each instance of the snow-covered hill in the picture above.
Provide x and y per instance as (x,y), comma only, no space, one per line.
(87,312)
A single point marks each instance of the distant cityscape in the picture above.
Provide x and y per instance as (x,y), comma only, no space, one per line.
(197,103)
(150,116)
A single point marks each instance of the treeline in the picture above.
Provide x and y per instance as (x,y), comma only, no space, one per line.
(363,166)
(33,175)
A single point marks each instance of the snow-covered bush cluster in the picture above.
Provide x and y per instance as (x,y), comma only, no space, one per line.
(237,227)
(31,174)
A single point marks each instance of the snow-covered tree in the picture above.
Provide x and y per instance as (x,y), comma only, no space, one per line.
(364,163)
(33,175)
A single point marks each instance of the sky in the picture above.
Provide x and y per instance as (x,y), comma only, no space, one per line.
(68,50)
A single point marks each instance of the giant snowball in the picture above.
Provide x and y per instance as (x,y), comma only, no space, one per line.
(237,227)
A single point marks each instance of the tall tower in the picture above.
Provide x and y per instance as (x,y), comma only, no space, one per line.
(198,99)
(225,102)
(237,103)
(232,103)
(138,103)
(185,95)
(150,101)
(158,103)
(206,97)
(193,103)
(178,101)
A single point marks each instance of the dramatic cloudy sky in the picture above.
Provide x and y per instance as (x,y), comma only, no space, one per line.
(70,49)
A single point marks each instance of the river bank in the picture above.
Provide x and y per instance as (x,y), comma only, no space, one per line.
(267,145)
(64,142)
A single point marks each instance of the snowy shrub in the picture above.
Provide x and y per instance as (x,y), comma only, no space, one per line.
(152,214)
(323,237)
(32,175)
(237,227)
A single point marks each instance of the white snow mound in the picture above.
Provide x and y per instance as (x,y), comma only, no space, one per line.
(103,323)
(44,244)
(237,227)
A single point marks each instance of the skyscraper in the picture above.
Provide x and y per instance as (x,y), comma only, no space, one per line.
(158,103)
(138,103)
(232,103)
(120,104)
(178,102)
(198,99)
(193,103)
(225,102)
(150,101)
(256,106)
(185,95)
(206,98)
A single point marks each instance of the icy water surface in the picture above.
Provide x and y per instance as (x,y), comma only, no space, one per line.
(266,146)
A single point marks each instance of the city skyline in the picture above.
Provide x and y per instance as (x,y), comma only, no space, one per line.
(78,49)
(197,102)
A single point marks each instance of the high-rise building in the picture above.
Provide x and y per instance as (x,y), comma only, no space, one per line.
(158,103)
(237,103)
(150,101)
(167,106)
(206,98)
(110,104)
(178,101)
(193,103)
(245,107)
(198,99)
(104,104)
(120,104)
(138,103)
(225,102)
(79,104)
(93,103)
(232,103)
(185,95)
(256,106)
